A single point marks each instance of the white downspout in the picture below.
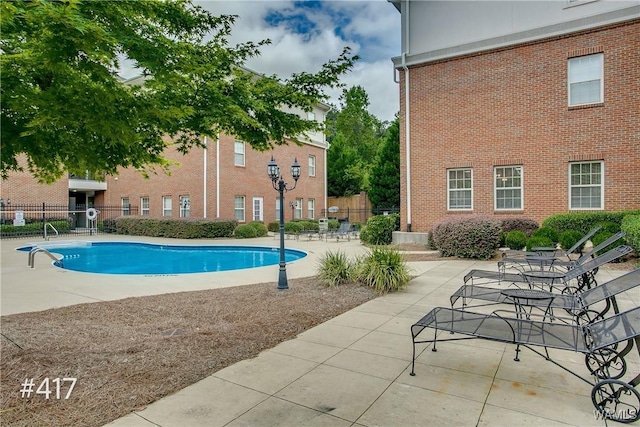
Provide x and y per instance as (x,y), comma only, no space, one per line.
(218,176)
(407,113)
(204,176)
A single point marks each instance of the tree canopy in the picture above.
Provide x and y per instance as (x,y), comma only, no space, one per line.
(355,136)
(385,174)
(65,108)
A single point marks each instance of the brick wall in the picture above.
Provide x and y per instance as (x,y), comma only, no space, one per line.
(509,107)
(186,178)
(250,180)
(23,188)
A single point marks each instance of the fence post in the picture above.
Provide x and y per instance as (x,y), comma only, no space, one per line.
(44,220)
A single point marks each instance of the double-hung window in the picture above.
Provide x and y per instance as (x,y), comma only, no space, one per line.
(586,80)
(185,206)
(312,165)
(459,189)
(144,206)
(508,187)
(298,209)
(311,208)
(239,208)
(166,206)
(586,189)
(126,206)
(238,153)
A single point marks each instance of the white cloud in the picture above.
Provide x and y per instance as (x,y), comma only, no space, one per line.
(371,28)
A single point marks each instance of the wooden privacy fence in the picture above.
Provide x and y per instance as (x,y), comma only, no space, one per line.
(354,209)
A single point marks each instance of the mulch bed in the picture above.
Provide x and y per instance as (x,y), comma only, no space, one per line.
(129,353)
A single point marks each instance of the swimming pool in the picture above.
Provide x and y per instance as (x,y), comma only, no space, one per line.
(147,258)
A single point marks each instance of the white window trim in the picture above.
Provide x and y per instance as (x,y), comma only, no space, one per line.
(164,199)
(312,168)
(145,210)
(601,101)
(260,216)
(297,214)
(244,151)
(243,209)
(572,3)
(602,175)
(449,208)
(125,207)
(311,208)
(495,189)
(185,210)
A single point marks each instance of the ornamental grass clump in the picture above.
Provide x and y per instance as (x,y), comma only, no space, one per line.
(384,270)
(335,269)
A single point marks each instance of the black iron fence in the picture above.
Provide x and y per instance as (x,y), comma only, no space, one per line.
(357,215)
(43,220)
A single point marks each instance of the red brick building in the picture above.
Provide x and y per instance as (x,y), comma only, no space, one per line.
(518,108)
(226,180)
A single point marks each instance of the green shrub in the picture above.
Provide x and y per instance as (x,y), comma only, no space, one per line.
(33,229)
(631,226)
(516,240)
(308,225)
(334,268)
(250,230)
(245,231)
(568,238)
(274,226)
(473,236)
(600,237)
(294,227)
(384,270)
(526,225)
(379,229)
(539,242)
(609,226)
(261,229)
(184,228)
(547,232)
(584,221)
(333,224)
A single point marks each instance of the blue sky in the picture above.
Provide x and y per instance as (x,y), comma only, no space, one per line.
(306,34)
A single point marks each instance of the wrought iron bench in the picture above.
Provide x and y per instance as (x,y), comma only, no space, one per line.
(613,398)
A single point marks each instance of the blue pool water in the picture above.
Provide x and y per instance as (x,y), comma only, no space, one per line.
(145,258)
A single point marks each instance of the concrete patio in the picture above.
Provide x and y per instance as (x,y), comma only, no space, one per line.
(350,371)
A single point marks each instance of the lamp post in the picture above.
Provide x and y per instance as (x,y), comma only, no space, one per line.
(273,170)
(2,210)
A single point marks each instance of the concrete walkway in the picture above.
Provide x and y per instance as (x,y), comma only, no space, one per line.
(350,371)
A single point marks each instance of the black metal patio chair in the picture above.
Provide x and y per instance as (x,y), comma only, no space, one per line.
(534,260)
(581,305)
(612,397)
(583,274)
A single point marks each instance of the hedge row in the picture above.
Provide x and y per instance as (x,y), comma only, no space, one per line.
(585,221)
(33,229)
(631,226)
(474,236)
(185,228)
